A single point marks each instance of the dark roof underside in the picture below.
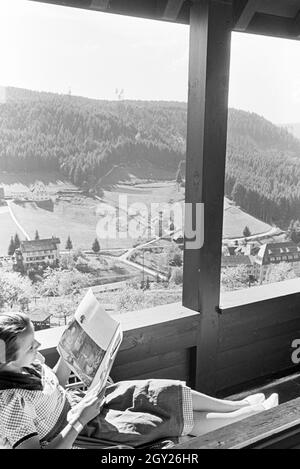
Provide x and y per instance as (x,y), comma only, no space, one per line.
(268,17)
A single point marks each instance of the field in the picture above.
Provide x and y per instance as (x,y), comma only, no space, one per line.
(77,216)
(47,223)
(146,193)
(135,174)
(236,219)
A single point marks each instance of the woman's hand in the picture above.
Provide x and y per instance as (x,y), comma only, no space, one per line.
(87,409)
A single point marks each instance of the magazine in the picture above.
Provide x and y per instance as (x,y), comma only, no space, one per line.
(90,343)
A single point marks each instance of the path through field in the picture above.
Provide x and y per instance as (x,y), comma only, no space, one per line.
(8,228)
(20,227)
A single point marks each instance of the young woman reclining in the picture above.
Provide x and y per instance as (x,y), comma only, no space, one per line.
(37,412)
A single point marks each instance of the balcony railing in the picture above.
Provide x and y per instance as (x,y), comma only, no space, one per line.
(158,342)
(256,332)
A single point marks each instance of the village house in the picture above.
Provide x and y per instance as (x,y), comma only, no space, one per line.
(274,253)
(233,261)
(40,318)
(39,192)
(37,253)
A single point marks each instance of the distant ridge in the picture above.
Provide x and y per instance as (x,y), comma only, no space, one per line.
(83,139)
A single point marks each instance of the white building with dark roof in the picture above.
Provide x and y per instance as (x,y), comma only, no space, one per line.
(274,253)
(37,252)
(233,261)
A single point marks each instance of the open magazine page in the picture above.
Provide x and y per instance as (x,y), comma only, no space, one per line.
(90,343)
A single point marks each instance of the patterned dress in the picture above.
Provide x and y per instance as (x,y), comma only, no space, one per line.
(134,412)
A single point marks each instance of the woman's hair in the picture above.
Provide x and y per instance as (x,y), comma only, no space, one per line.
(11,326)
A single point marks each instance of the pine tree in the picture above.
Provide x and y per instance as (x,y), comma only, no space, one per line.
(69,244)
(37,236)
(11,248)
(96,246)
(293,232)
(246,232)
(179,176)
(17,241)
(238,193)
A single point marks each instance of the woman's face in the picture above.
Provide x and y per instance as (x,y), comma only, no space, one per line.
(27,349)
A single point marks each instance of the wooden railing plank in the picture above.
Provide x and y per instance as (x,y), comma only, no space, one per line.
(268,310)
(237,337)
(150,364)
(177,371)
(258,360)
(158,342)
(252,430)
(249,296)
(265,348)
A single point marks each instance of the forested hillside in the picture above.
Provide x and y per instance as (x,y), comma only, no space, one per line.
(83,139)
(263,168)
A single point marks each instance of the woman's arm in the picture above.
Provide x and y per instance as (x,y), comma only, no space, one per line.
(88,408)
(62,371)
(64,440)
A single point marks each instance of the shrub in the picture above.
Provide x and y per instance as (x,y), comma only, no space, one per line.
(130,299)
(177,276)
(63,282)
(280,272)
(15,290)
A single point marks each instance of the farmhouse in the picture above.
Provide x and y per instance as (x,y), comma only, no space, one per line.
(39,192)
(36,253)
(40,318)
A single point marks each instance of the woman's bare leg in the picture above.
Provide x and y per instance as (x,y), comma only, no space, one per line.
(204,403)
(205,422)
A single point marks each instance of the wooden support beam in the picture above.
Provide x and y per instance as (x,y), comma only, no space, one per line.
(297,24)
(210,37)
(246,15)
(172,10)
(272,25)
(101,5)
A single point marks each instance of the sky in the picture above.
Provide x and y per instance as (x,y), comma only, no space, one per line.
(61,49)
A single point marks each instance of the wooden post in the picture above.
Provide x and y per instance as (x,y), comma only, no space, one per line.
(172,9)
(210,38)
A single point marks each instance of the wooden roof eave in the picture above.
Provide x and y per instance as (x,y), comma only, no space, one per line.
(279,18)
